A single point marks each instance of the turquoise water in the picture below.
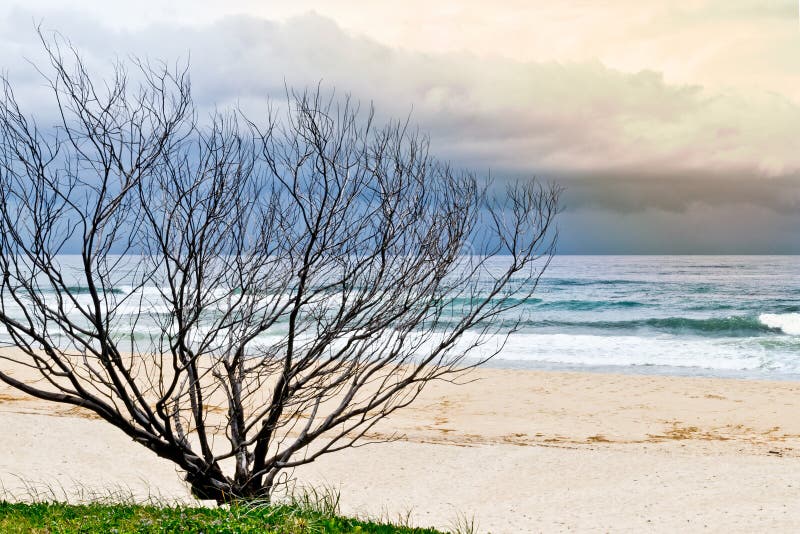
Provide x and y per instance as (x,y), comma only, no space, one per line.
(696,315)
(732,316)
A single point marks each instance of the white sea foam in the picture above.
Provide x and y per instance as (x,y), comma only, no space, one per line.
(594,350)
(788,323)
(545,350)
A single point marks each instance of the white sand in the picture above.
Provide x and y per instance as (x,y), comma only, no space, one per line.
(521,451)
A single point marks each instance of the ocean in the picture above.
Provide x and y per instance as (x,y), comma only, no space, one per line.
(724,316)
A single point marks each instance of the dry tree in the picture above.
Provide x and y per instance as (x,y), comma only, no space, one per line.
(243,296)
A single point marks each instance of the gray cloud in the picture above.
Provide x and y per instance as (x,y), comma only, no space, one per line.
(627,193)
(629,146)
(700,229)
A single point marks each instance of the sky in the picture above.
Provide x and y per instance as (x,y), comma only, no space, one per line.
(673,125)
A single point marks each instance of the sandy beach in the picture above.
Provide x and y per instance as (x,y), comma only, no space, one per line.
(521,451)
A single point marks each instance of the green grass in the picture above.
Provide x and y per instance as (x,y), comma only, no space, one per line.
(294,518)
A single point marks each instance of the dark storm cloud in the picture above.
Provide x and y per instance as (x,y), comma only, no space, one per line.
(677,193)
(628,146)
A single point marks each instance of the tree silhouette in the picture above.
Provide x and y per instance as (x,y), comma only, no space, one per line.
(246,296)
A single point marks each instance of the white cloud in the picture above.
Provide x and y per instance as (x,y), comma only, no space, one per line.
(638,91)
(503,113)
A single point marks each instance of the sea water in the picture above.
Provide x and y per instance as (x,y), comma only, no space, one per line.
(685,315)
(728,316)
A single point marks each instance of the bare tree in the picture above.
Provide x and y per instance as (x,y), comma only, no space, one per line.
(246,296)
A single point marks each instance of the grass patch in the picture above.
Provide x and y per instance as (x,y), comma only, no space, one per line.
(293,518)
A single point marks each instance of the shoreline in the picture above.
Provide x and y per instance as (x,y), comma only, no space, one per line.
(565,450)
(641,370)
